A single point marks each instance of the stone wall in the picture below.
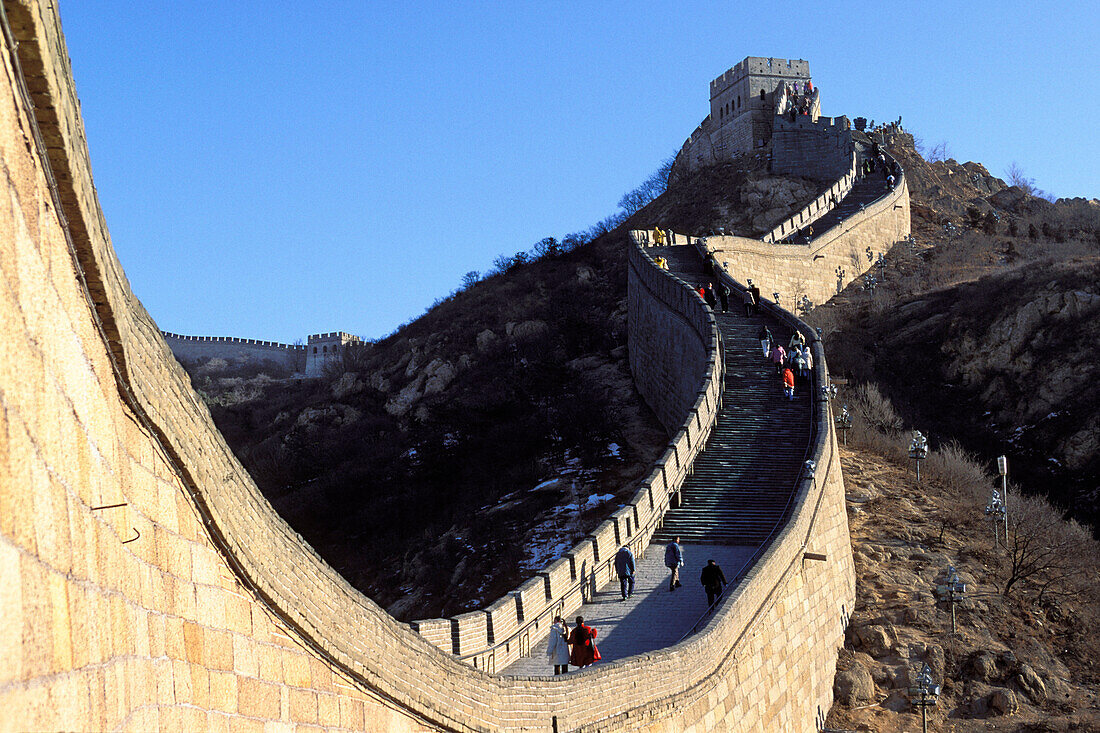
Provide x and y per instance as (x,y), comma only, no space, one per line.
(675,358)
(824,266)
(145,583)
(236,351)
(820,148)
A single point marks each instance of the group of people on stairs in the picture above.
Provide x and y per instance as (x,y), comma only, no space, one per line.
(578,646)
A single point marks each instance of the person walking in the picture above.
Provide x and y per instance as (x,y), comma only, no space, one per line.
(755,297)
(765,337)
(713,580)
(658,237)
(778,356)
(674,560)
(788,384)
(750,302)
(708,295)
(583,639)
(557,646)
(724,295)
(807,364)
(624,568)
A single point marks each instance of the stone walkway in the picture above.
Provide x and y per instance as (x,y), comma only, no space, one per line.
(653,618)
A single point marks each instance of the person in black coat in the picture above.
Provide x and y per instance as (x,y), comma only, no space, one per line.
(713,580)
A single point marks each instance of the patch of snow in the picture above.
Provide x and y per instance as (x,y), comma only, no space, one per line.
(596,499)
(548,482)
(613,450)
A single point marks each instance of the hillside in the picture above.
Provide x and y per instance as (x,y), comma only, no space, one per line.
(1021,661)
(441,466)
(981,328)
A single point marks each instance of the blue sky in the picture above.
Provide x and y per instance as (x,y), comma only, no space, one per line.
(274,169)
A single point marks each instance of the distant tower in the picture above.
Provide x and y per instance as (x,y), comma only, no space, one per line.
(324,349)
(743,101)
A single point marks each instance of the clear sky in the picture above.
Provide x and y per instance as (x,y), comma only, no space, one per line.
(274,169)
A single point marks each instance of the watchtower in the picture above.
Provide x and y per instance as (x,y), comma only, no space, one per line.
(326,348)
(743,100)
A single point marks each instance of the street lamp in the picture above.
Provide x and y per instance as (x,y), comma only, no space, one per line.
(776,296)
(998,512)
(951,591)
(923,695)
(840,273)
(844,423)
(881,266)
(918,450)
(869,285)
(870,255)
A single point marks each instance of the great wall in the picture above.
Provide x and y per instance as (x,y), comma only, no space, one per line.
(147,584)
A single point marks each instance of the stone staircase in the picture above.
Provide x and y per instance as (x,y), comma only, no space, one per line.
(741,484)
(864,191)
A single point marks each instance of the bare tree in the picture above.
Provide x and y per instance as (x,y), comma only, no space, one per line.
(650,189)
(1047,553)
(939,151)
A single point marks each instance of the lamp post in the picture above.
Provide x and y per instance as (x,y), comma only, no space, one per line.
(1002,469)
(776,296)
(881,266)
(869,285)
(840,273)
(918,451)
(844,423)
(870,255)
(952,591)
(998,512)
(923,695)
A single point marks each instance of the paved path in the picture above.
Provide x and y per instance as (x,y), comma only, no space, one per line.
(653,618)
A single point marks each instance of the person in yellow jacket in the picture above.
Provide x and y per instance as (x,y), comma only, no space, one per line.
(661,262)
(658,237)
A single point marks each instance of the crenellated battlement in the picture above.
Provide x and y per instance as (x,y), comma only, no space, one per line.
(761,66)
(169,336)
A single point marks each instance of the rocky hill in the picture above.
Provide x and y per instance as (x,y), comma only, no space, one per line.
(981,328)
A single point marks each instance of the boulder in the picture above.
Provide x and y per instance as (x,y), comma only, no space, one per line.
(347,384)
(486,340)
(1003,702)
(438,375)
(875,640)
(983,667)
(1031,684)
(853,686)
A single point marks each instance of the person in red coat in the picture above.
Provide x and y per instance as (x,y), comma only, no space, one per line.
(583,639)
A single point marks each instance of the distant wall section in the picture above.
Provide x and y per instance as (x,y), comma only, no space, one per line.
(236,351)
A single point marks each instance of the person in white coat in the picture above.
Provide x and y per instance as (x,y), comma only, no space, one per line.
(557,647)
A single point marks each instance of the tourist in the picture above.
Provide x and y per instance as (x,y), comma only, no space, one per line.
(658,237)
(713,580)
(765,337)
(778,356)
(661,263)
(708,295)
(890,182)
(750,303)
(724,295)
(788,384)
(798,360)
(674,560)
(797,339)
(808,360)
(583,639)
(557,646)
(755,297)
(624,568)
